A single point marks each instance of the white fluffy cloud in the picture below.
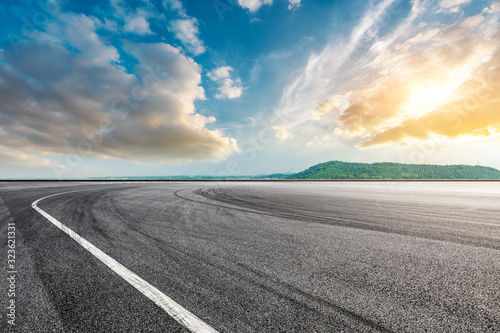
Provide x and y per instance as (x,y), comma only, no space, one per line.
(135,21)
(137,24)
(254,5)
(453,5)
(175,5)
(281,133)
(228,87)
(494,8)
(65,86)
(186,30)
(294,4)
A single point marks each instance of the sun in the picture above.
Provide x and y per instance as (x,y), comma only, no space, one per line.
(428,97)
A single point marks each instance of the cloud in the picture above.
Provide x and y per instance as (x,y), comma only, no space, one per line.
(186,30)
(325,140)
(254,5)
(474,114)
(175,5)
(25,165)
(134,21)
(65,90)
(281,133)
(408,85)
(228,88)
(494,8)
(294,4)
(453,5)
(314,82)
(16,164)
(372,106)
(138,25)
(339,101)
(12,158)
(439,81)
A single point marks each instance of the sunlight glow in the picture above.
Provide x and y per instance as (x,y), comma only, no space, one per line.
(427,97)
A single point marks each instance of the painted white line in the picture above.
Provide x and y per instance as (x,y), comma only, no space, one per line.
(176,311)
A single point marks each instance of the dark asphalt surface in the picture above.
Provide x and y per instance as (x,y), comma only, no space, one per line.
(258,256)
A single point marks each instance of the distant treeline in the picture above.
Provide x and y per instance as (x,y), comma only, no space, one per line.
(345,170)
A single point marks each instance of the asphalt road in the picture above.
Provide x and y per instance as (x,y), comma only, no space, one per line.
(257,256)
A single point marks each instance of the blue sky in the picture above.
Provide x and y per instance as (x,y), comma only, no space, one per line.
(227,87)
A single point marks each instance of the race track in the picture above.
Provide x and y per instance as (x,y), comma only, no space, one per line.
(256,256)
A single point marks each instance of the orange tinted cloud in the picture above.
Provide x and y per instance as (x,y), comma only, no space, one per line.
(442,81)
(475,112)
(462,117)
(372,107)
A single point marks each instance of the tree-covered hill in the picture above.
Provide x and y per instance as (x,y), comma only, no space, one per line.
(345,170)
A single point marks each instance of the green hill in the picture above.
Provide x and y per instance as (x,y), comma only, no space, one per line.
(346,170)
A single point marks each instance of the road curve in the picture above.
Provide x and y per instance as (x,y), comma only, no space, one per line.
(259,257)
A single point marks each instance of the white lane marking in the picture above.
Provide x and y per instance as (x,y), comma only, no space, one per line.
(175,310)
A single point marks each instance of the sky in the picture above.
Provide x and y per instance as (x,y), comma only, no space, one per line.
(245,87)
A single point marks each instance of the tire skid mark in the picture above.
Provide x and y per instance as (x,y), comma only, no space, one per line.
(172,308)
(246,206)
